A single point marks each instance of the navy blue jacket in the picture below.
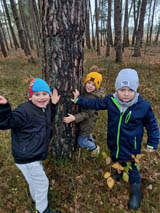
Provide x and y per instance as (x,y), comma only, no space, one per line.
(30,131)
(125,130)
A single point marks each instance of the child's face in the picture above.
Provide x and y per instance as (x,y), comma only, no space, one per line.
(125,94)
(40,99)
(90,86)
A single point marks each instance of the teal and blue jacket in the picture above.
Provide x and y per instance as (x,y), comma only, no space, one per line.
(126,129)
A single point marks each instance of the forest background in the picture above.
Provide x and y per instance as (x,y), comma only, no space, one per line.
(78,185)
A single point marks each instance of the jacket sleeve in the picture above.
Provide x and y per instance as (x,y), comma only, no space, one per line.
(11,119)
(97,103)
(85,114)
(151,125)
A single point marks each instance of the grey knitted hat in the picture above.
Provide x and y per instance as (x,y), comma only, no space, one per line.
(127,78)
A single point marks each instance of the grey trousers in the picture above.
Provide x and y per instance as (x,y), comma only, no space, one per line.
(38,183)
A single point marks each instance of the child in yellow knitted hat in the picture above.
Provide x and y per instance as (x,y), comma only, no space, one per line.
(87,118)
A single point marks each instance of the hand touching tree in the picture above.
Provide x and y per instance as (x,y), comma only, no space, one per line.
(3,100)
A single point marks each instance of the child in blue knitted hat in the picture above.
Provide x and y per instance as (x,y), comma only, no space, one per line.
(128,114)
(30,125)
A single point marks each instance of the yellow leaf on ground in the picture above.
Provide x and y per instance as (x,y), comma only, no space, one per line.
(107,174)
(117,166)
(104,154)
(125,177)
(110,182)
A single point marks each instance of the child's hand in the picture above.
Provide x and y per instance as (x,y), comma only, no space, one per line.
(76,94)
(55,97)
(149,150)
(69,119)
(3,100)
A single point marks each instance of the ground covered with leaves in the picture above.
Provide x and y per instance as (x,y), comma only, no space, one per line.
(78,185)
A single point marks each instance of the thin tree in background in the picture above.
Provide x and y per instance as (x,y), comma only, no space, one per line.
(136,10)
(21,35)
(125,28)
(63,27)
(16,45)
(6,25)
(4,52)
(92,17)
(139,33)
(152,19)
(148,24)
(97,29)
(88,41)
(117,26)
(108,28)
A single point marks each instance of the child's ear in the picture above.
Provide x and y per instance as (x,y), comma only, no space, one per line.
(29,99)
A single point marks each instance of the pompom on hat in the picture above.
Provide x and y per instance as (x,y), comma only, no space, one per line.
(95,77)
(127,78)
(38,85)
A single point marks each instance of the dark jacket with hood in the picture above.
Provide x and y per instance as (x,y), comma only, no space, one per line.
(87,117)
(30,130)
(126,129)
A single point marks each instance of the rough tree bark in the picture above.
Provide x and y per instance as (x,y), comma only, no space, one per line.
(63,26)
(109,28)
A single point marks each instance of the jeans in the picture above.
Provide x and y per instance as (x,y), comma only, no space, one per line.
(86,142)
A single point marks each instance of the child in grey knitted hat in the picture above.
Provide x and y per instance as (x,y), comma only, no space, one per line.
(128,114)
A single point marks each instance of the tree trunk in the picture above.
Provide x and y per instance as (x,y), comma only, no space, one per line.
(148,24)
(4,52)
(109,28)
(6,25)
(10,25)
(151,28)
(140,29)
(118,46)
(93,38)
(25,24)
(63,26)
(125,35)
(97,29)
(88,41)
(20,29)
(136,18)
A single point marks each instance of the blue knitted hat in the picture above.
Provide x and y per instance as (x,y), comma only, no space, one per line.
(38,85)
(127,78)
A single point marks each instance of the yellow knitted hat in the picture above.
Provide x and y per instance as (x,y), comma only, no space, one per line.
(95,77)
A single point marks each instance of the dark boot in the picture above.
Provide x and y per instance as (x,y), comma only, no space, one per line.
(135,196)
(117,176)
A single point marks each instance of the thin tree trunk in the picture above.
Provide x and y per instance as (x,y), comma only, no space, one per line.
(109,28)
(125,36)
(16,45)
(4,52)
(93,38)
(88,41)
(140,29)
(20,29)
(97,30)
(151,28)
(118,46)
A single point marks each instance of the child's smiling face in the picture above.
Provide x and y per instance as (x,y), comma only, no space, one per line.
(90,86)
(125,94)
(40,99)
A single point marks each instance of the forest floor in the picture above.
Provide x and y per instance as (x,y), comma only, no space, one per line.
(78,185)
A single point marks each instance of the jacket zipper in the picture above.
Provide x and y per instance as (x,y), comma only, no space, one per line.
(119,124)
